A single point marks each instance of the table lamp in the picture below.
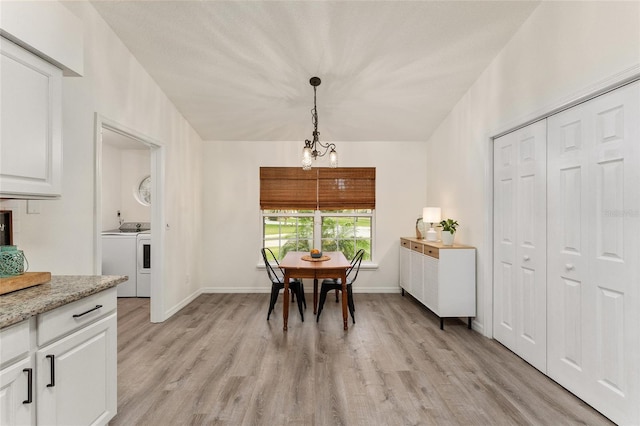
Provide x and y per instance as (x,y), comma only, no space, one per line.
(431,215)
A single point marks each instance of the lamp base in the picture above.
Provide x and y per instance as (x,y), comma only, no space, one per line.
(432,235)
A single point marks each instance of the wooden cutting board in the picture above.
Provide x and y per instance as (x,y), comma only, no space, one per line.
(28,279)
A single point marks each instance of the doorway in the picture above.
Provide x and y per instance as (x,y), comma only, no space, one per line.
(110,136)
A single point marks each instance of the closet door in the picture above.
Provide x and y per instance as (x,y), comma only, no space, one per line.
(519,286)
(594,234)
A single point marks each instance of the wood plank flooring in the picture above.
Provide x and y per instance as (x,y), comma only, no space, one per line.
(220,362)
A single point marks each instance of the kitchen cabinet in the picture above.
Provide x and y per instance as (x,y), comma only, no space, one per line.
(31,131)
(76,362)
(72,354)
(16,376)
(443,278)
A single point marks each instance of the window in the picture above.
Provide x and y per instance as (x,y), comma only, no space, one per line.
(344,230)
(330,209)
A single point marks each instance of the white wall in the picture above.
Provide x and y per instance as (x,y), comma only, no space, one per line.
(122,171)
(232,233)
(562,51)
(61,238)
(136,165)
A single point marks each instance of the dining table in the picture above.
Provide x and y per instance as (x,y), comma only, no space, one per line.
(299,264)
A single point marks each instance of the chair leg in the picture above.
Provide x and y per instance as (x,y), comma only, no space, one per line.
(272,301)
(300,304)
(351,305)
(323,297)
(304,299)
(337,292)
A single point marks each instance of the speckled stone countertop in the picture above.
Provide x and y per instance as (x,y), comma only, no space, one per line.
(62,289)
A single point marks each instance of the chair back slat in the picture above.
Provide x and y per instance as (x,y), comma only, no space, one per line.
(268,256)
(355,266)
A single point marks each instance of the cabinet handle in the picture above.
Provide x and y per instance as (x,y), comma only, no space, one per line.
(29,399)
(525,257)
(569,266)
(86,312)
(52,361)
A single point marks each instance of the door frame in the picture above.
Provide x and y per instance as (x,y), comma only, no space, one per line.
(157,150)
(589,92)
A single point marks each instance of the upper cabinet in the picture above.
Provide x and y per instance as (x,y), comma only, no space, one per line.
(31,130)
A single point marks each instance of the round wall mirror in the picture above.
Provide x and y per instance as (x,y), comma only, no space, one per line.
(144,191)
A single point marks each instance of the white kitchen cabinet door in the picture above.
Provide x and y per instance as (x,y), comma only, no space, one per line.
(593,252)
(31,130)
(520,243)
(17,405)
(76,377)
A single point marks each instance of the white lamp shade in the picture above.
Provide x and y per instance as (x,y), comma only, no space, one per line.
(431,215)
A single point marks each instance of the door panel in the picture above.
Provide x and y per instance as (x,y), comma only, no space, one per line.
(520,242)
(593,249)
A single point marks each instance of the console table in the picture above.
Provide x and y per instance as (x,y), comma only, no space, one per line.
(442,278)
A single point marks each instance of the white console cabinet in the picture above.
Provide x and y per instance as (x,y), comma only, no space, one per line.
(71,352)
(443,278)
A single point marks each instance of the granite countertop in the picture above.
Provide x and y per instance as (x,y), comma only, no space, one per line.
(62,289)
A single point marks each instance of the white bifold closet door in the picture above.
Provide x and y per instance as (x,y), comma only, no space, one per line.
(593,278)
(519,297)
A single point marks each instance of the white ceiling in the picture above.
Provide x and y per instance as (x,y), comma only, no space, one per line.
(240,70)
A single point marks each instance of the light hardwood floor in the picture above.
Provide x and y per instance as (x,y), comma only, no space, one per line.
(219,362)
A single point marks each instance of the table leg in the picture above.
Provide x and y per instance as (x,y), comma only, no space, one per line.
(285,306)
(315,296)
(343,278)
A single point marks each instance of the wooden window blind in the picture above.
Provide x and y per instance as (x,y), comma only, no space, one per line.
(291,188)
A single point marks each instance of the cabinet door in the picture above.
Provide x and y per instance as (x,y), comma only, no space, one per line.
(594,252)
(405,267)
(430,272)
(30,135)
(416,275)
(78,385)
(15,407)
(520,243)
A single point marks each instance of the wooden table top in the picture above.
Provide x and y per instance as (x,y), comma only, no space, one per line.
(293,260)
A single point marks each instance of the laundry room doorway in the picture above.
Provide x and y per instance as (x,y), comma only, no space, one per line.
(129,193)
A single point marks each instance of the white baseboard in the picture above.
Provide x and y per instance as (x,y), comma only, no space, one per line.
(268,290)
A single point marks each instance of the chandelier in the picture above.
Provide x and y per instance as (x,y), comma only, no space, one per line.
(314,149)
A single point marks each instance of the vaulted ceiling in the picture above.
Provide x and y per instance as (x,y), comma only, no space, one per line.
(240,70)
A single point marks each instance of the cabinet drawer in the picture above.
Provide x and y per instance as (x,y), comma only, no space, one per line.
(61,321)
(15,342)
(416,247)
(405,243)
(432,251)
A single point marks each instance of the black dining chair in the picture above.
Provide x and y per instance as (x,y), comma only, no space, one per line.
(332,284)
(276,275)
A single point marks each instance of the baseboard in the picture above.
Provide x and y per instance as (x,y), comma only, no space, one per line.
(182,304)
(356,289)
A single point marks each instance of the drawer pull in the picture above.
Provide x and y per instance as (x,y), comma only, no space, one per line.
(52,361)
(29,399)
(86,312)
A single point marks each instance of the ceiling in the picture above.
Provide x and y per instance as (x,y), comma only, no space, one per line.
(240,70)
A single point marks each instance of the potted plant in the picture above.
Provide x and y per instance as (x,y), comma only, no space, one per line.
(449,227)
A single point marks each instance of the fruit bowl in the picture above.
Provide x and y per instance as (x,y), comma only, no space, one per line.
(316,254)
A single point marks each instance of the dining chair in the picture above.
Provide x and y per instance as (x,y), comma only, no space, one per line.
(333,284)
(276,275)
